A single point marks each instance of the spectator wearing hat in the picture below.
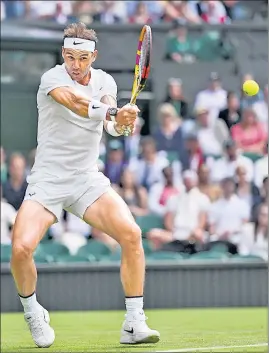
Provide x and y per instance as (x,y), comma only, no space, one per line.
(176,97)
(185,219)
(214,98)
(232,114)
(211,138)
(114,164)
(226,166)
(227,217)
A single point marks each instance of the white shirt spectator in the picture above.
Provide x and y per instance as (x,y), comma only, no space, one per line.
(260,170)
(187,207)
(154,197)
(229,215)
(154,170)
(40,8)
(3,11)
(251,245)
(209,142)
(8,216)
(261,110)
(224,168)
(213,101)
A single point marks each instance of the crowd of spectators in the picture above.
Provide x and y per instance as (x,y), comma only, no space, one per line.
(141,12)
(203,171)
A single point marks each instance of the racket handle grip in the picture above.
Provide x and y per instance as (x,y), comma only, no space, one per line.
(127,132)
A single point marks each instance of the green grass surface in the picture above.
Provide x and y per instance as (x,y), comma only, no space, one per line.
(187,328)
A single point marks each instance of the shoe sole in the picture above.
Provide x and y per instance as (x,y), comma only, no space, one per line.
(149,339)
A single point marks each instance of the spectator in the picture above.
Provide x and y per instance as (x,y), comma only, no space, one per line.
(249,134)
(245,189)
(3,11)
(154,9)
(8,216)
(185,219)
(169,135)
(160,193)
(12,9)
(261,168)
(231,115)
(211,138)
(180,47)
(141,15)
(4,173)
(107,14)
(245,100)
(261,108)
(236,10)
(193,157)
(255,240)
(227,217)
(225,167)
(211,190)
(180,10)
(114,164)
(213,12)
(57,11)
(214,98)
(176,97)
(134,195)
(148,169)
(14,188)
(262,199)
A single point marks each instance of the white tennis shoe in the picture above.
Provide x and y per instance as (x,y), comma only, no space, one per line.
(136,331)
(38,323)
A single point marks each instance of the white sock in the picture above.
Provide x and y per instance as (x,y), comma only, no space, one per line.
(134,305)
(30,304)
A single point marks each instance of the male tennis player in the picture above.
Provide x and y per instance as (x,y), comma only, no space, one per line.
(74,102)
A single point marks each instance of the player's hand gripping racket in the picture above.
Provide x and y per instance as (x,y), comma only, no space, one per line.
(142,66)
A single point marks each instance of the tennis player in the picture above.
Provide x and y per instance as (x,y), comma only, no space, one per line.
(75,102)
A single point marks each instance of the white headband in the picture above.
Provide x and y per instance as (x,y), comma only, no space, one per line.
(79,44)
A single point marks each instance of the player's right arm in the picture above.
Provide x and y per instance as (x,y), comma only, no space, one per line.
(88,108)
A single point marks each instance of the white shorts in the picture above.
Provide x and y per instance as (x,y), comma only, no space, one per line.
(74,196)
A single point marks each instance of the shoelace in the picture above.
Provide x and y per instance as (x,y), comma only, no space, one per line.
(36,323)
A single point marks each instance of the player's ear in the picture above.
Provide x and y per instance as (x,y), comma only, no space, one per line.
(63,52)
(95,54)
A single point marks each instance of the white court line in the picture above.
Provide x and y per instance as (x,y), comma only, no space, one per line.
(213,348)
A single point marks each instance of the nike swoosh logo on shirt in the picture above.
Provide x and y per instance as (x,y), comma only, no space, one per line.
(130,331)
(94,107)
(75,43)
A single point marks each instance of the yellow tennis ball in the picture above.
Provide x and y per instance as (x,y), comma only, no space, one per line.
(251,87)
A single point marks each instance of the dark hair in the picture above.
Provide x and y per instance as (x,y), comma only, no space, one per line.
(79,30)
(231,94)
(256,223)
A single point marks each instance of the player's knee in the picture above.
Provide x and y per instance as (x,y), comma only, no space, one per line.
(21,250)
(132,237)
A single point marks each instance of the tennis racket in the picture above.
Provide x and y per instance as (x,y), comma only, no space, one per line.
(142,66)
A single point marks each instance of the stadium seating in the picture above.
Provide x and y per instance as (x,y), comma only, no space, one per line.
(5,253)
(164,255)
(53,249)
(209,255)
(74,258)
(96,249)
(146,223)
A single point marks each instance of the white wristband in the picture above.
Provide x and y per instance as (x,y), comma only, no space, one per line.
(97,110)
(110,127)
